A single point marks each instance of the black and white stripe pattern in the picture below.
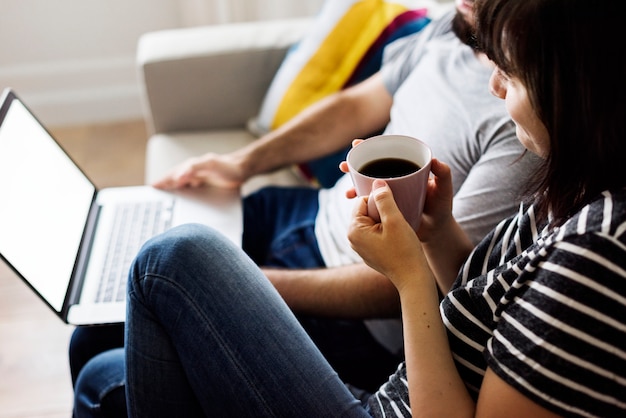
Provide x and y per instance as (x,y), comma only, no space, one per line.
(546,310)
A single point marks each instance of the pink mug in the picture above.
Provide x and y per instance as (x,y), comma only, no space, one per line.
(403,162)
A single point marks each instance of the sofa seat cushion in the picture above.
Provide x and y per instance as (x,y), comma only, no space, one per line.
(165,151)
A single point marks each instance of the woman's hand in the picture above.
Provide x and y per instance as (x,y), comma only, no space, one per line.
(391,244)
(438,205)
(391,247)
(343,166)
(439,194)
(219,170)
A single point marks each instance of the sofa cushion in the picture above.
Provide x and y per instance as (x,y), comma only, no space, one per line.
(343,47)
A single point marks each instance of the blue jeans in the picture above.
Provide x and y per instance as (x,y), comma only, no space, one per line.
(100,388)
(97,369)
(278,231)
(208,335)
(279,228)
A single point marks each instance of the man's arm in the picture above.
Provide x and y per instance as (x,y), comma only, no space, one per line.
(352,291)
(321,129)
(494,187)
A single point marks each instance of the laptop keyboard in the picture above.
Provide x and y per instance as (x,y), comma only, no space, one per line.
(134,224)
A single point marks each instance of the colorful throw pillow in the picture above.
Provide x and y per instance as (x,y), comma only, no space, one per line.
(344,47)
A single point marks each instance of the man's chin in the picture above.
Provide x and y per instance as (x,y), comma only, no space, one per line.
(463,29)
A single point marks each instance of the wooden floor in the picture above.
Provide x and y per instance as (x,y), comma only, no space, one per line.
(34,373)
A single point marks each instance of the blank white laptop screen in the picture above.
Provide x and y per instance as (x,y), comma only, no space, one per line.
(54,202)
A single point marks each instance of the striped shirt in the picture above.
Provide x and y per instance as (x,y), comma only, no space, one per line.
(545,309)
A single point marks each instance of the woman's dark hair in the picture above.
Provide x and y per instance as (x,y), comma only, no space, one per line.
(568,55)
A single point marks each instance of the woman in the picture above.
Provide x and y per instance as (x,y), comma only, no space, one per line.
(532,325)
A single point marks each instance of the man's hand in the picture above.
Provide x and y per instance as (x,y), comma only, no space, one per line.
(219,170)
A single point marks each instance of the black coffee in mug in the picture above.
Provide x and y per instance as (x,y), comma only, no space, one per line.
(388,168)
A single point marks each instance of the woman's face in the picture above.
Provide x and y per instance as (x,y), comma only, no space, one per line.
(530,131)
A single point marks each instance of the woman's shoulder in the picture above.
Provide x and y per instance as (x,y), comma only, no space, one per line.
(592,243)
(605,215)
(595,227)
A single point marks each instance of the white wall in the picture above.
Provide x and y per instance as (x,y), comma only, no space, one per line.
(73,61)
(198,12)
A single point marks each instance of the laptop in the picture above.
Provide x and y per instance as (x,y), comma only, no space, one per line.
(73,243)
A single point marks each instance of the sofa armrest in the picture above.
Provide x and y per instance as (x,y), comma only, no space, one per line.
(211,77)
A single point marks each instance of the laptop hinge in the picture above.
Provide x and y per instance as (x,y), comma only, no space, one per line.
(80,269)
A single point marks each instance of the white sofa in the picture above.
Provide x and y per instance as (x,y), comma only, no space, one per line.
(202,86)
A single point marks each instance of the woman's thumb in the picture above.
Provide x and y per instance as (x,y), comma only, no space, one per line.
(382,200)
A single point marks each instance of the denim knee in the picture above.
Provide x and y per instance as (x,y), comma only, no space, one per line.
(181,243)
(100,386)
(195,249)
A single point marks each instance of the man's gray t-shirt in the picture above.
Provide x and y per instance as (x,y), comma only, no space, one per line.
(441,95)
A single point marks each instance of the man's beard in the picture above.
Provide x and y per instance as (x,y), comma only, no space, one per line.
(463,30)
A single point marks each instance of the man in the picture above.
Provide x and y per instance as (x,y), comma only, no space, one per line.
(432,86)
